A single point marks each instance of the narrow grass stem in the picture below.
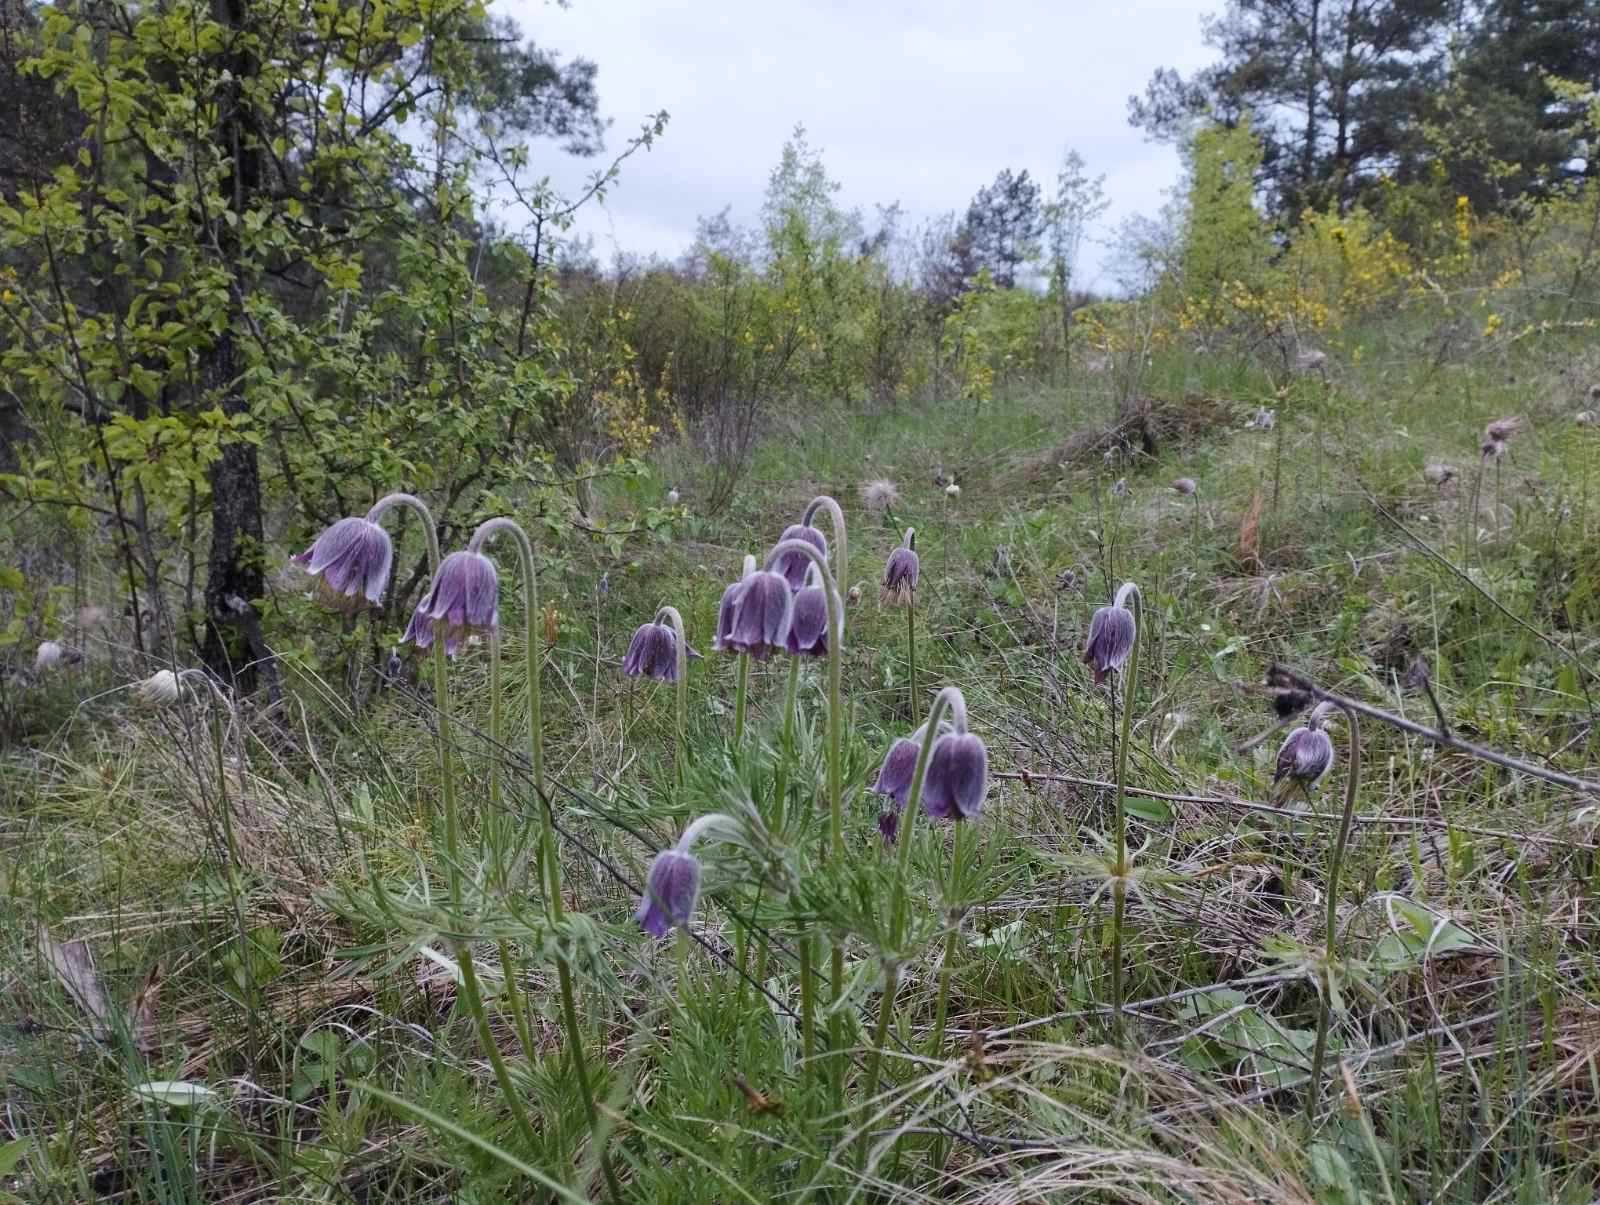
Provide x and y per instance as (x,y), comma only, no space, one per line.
(1352,785)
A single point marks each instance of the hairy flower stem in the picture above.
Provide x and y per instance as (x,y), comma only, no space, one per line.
(739,693)
(942,1009)
(911,657)
(835,847)
(1335,864)
(681,644)
(550,865)
(1119,886)
(949,698)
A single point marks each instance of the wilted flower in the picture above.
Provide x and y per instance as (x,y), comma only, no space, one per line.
(1492,449)
(1184,486)
(853,595)
(1306,753)
(671,890)
(957,778)
(1438,474)
(900,573)
(160,689)
(795,565)
(1502,429)
(1119,488)
(464,600)
(952,491)
(1112,631)
(1264,419)
(351,562)
(49,655)
(672,496)
(808,623)
(763,609)
(652,653)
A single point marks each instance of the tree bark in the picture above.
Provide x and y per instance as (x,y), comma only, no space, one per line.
(235,578)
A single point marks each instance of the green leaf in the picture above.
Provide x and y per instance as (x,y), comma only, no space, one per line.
(177,1094)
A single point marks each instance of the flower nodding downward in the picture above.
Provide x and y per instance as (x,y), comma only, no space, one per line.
(1112,631)
(351,562)
(462,601)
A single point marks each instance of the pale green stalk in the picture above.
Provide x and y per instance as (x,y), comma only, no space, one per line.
(739,692)
(1330,926)
(1119,886)
(551,875)
(682,683)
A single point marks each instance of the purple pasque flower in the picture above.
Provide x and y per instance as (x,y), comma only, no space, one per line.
(808,625)
(795,565)
(652,653)
(1112,632)
(671,890)
(351,561)
(462,601)
(726,609)
(900,573)
(1306,753)
(762,613)
(957,777)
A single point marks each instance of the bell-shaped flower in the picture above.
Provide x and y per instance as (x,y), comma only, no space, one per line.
(351,562)
(957,777)
(464,600)
(899,764)
(1112,631)
(795,565)
(808,625)
(160,689)
(762,612)
(725,613)
(652,653)
(900,574)
(1306,753)
(671,890)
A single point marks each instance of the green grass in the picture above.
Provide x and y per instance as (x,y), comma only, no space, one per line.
(343,1064)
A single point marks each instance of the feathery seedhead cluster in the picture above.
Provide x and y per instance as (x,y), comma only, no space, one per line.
(1264,420)
(48,656)
(1112,631)
(1502,429)
(351,561)
(1587,418)
(161,689)
(1185,486)
(952,491)
(900,573)
(652,653)
(463,601)
(880,497)
(1438,474)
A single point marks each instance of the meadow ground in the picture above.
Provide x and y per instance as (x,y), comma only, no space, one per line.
(275,1006)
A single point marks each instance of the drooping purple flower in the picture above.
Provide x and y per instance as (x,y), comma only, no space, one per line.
(1306,753)
(762,612)
(351,562)
(889,825)
(808,625)
(795,565)
(462,601)
(671,890)
(725,613)
(899,764)
(653,653)
(1112,631)
(900,574)
(957,777)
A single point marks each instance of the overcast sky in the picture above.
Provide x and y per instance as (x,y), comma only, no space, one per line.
(920,103)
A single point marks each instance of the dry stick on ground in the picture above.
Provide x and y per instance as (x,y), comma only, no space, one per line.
(1281,677)
(1027,777)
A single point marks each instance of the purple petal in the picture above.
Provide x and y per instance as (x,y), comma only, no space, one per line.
(957,778)
(671,890)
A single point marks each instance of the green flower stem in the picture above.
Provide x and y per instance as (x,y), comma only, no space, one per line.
(835,605)
(1119,887)
(670,614)
(791,689)
(942,1008)
(502,1077)
(950,698)
(550,874)
(808,995)
(1352,783)
(739,698)
(911,656)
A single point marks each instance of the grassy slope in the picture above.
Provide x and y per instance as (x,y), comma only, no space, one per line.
(1470,992)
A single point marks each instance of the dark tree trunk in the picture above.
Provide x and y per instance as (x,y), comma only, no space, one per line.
(234,648)
(1308,148)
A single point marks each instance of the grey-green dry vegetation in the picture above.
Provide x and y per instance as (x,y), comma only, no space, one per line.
(293,910)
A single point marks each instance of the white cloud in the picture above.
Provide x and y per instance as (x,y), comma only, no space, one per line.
(918,103)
